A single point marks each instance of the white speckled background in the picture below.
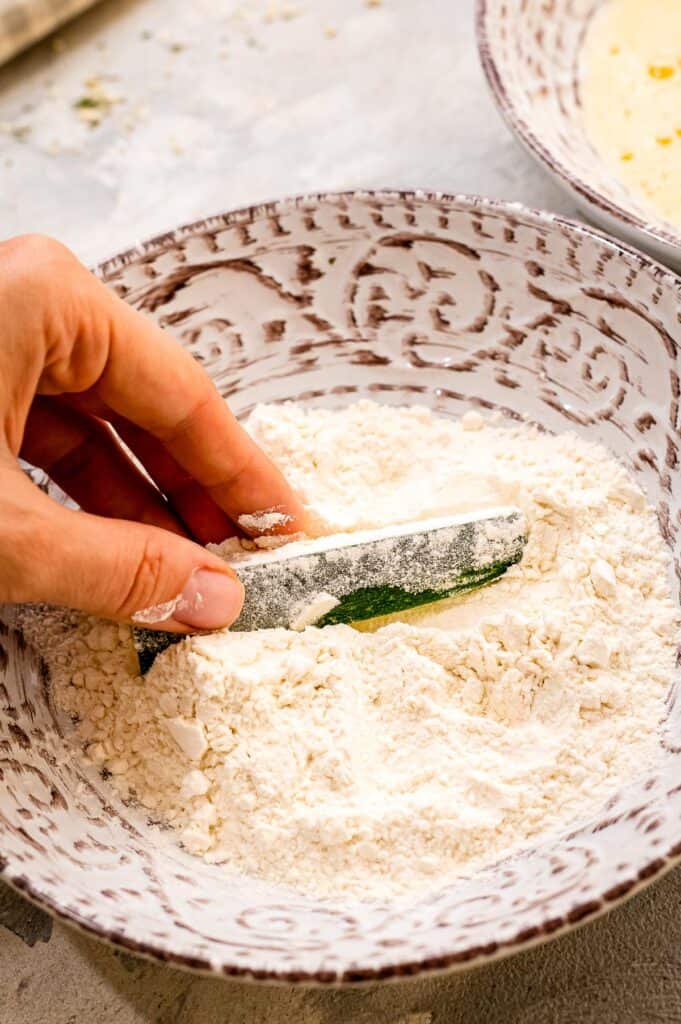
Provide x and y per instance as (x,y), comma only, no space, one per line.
(225,104)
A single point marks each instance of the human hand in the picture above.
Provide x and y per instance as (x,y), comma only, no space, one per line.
(77,366)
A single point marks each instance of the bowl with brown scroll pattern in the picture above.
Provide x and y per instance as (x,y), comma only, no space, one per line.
(530,53)
(455,303)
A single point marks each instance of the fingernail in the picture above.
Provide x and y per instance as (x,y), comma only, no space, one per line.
(210,600)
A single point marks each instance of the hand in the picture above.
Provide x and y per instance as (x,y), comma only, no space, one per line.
(78,369)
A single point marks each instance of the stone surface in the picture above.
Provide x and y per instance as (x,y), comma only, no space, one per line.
(622,969)
(20,917)
(224,104)
(222,107)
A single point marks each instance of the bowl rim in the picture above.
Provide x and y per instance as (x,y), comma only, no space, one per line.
(445,963)
(495,80)
(282,205)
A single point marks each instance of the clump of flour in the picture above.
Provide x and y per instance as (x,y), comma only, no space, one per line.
(394,758)
(263,522)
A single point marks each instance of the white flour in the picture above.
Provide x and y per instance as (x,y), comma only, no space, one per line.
(375,763)
(262,522)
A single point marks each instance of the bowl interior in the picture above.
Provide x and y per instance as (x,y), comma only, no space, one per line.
(531,51)
(453,303)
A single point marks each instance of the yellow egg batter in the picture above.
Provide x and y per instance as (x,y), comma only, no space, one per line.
(631,94)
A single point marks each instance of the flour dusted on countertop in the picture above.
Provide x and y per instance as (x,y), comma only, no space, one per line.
(393,758)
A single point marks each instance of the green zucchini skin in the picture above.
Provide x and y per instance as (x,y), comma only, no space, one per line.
(149,643)
(367,603)
(372,602)
(373,574)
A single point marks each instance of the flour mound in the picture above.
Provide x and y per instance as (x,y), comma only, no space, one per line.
(392,759)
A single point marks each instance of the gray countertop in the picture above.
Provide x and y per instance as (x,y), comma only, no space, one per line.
(215,104)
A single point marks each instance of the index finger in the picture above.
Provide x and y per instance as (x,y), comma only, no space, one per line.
(152,381)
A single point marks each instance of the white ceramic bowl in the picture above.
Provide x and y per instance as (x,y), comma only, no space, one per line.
(530,52)
(325,300)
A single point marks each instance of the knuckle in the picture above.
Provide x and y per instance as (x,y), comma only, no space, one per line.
(47,299)
(24,549)
(35,274)
(35,254)
(144,587)
(15,582)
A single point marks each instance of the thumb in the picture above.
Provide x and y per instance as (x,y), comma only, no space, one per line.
(109,567)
